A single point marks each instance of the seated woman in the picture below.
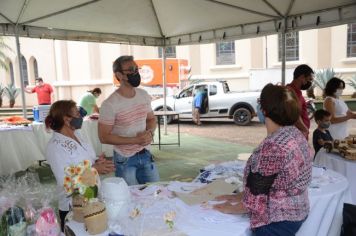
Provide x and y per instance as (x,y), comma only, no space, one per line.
(338,109)
(278,173)
(67,147)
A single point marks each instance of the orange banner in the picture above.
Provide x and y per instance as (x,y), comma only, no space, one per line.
(151,71)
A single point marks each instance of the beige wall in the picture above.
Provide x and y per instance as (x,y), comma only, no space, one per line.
(74,67)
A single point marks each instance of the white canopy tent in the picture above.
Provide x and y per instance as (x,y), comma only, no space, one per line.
(166,22)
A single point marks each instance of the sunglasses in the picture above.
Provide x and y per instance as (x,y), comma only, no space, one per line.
(133,69)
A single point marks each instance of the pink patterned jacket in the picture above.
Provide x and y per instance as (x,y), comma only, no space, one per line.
(287,154)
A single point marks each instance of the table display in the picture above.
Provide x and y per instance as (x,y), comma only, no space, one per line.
(341,165)
(346,147)
(18,148)
(26,207)
(152,205)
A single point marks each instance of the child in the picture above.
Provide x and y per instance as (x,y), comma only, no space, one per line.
(321,134)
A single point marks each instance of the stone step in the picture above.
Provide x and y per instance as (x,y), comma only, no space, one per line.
(16,111)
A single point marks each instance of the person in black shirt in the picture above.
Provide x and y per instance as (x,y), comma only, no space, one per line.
(321,135)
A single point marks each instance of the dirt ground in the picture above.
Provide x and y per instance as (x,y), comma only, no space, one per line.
(226,130)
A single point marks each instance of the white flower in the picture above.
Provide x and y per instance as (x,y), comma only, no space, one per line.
(134,213)
(169,216)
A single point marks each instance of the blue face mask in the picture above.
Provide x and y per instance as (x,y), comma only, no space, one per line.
(325,125)
(260,114)
(76,122)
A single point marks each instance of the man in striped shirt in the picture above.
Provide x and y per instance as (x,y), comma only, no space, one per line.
(127,122)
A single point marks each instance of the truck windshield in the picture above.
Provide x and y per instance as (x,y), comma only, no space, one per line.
(225,87)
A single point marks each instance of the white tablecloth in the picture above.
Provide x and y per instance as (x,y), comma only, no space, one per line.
(327,193)
(341,165)
(20,148)
(90,133)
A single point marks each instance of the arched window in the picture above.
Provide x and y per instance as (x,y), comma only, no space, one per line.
(24,70)
(35,68)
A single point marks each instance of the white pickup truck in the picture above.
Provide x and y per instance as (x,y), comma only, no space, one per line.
(240,106)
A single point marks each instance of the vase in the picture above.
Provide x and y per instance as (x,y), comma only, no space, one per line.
(78,203)
(95,217)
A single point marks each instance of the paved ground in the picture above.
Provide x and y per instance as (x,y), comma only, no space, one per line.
(226,130)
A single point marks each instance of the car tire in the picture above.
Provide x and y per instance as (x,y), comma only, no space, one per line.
(169,118)
(242,116)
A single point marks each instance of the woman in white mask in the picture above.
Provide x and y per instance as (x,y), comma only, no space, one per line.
(340,113)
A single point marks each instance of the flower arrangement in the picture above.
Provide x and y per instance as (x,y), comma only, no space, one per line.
(81,179)
(169,218)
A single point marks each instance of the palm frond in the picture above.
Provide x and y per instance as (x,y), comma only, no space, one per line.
(352,82)
(2,90)
(3,65)
(322,77)
(12,92)
(3,45)
(3,49)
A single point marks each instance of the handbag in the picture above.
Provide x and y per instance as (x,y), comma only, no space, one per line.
(348,227)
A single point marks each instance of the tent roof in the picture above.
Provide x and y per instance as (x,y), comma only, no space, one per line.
(174,22)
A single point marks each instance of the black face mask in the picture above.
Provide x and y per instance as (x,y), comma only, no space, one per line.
(76,122)
(306,86)
(134,79)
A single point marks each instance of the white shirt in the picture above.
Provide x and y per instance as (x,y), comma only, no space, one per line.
(62,152)
(339,130)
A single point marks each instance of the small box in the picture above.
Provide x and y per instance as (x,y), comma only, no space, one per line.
(40,112)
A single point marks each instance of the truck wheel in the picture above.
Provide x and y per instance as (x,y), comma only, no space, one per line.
(169,118)
(242,116)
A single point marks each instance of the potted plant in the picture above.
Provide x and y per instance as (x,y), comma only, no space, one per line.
(2,90)
(352,83)
(12,92)
(81,182)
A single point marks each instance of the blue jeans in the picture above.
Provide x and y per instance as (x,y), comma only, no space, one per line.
(282,228)
(137,169)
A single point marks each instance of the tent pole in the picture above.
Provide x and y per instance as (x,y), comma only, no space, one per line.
(284,31)
(164,85)
(266,48)
(18,49)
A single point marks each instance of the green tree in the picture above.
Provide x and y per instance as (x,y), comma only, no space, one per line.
(4,48)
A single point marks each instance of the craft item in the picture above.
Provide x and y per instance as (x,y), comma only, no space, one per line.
(95,217)
(47,224)
(78,203)
(336,143)
(116,195)
(208,192)
(13,222)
